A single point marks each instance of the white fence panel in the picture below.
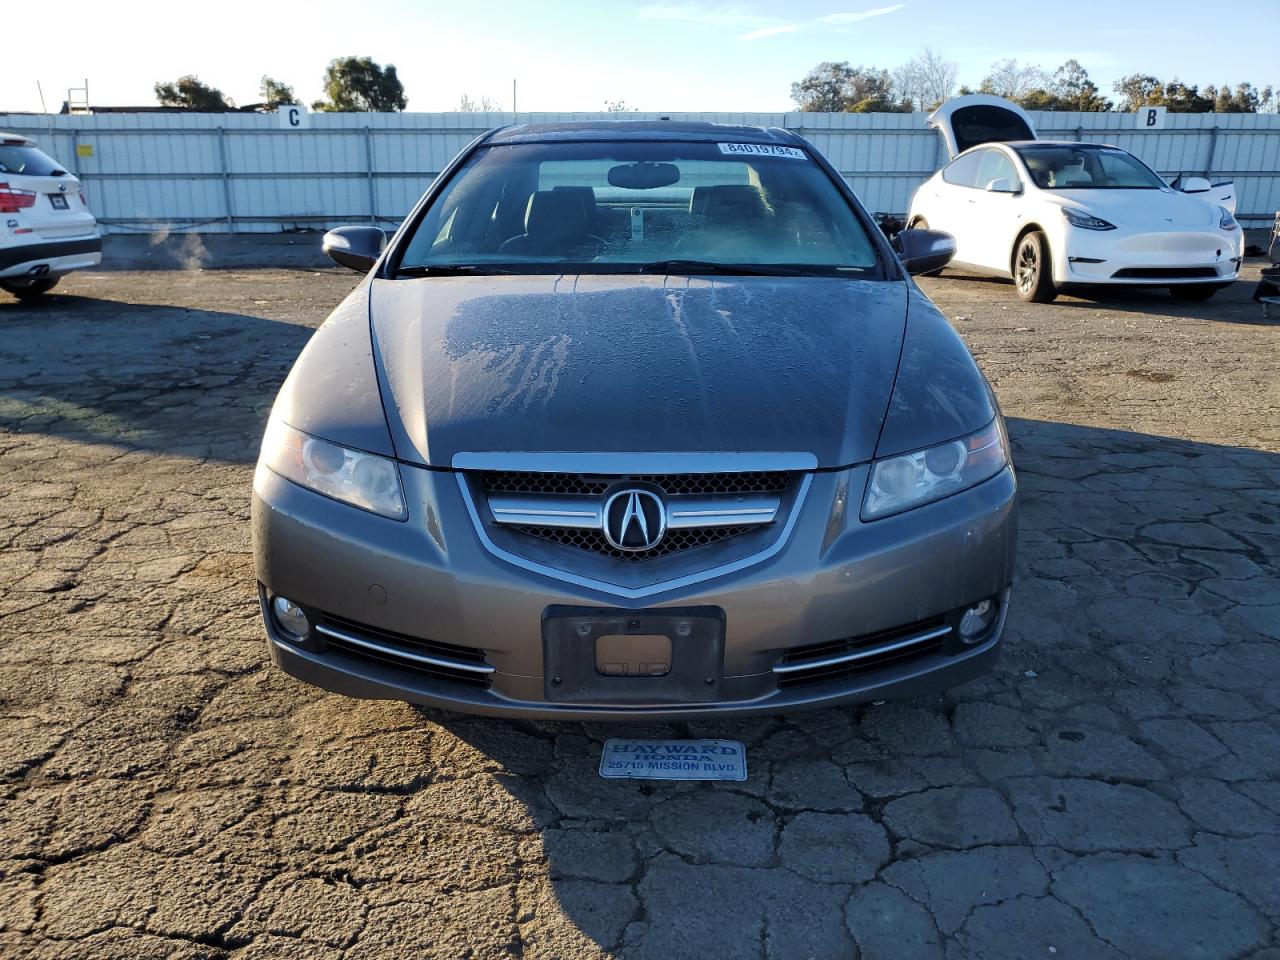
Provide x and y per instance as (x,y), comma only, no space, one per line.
(242,172)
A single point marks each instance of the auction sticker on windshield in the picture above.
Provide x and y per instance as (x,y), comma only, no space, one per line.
(761,150)
(625,759)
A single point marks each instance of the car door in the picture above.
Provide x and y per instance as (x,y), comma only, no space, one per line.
(951,210)
(996,210)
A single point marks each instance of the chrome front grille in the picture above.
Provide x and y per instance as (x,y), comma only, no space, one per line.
(571,509)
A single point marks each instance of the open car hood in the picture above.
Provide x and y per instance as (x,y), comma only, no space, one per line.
(980,118)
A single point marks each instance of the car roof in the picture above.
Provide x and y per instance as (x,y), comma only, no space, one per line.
(1057,143)
(15,140)
(583,130)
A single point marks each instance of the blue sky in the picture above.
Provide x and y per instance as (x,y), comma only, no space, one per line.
(573,55)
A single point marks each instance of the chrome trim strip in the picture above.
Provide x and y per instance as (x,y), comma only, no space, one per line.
(653,588)
(431,661)
(534,510)
(587,513)
(643,463)
(724,511)
(855,655)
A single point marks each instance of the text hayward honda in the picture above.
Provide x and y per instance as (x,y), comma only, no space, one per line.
(635,420)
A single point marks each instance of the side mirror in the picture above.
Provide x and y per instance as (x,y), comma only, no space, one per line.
(354,247)
(1002,185)
(924,251)
(1195,185)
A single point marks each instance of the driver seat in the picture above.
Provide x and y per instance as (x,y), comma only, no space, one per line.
(555,225)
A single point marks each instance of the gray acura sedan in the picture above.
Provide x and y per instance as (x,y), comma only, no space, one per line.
(635,420)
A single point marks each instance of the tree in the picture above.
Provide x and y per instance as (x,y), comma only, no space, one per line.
(483,105)
(1143,90)
(1244,99)
(1075,91)
(276,94)
(357,84)
(188,93)
(1012,80)
(618,106)
(1139,90)
(839,88)
(926,80)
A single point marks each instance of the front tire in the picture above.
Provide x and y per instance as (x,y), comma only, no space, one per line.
(27,292)
(1194,292)
(1032,269)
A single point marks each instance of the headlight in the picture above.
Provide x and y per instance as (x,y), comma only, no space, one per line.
(363,480)
(906,481)
(1086,221)
(1226,221)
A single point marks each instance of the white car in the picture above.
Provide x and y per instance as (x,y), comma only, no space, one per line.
(46,229)
(1054,214)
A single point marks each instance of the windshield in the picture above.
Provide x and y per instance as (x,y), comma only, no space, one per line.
(1079,167)
(627,207)
(28,161)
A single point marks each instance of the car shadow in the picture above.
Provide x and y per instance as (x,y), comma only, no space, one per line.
(152,377)
(1141,563)
(1234,304)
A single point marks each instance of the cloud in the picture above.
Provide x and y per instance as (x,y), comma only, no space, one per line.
(845,18)
(770,31)
(725,17)
(840,19)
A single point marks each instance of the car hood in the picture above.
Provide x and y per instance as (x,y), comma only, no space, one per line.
(611,364)
(1141,209)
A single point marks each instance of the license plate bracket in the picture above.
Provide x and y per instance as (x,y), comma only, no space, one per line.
(59,201)
(570,675)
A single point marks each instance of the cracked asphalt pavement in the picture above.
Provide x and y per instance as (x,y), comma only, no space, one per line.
(1112,790)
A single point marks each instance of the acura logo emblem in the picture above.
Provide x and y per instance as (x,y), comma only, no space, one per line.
(634,520)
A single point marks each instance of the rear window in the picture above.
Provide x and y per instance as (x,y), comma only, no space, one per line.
(615,207)
(987,124)
(29,162)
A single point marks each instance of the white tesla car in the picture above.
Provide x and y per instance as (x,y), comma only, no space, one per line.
(46,229)
(1059,214)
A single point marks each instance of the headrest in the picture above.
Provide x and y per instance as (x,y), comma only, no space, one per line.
(555,213)
(733,203)
(586,195)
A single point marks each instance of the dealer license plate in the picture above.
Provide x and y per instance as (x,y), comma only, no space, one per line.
(626,759)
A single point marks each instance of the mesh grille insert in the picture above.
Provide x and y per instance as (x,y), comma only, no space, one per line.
(674,541)
(674,484)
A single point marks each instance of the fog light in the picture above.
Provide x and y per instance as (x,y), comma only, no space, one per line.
(977,619)
(290,618)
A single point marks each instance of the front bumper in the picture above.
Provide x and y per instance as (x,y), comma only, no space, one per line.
(432,577)
(1158,258)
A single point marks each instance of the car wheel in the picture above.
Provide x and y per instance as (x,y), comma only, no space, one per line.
(920,223)
(29,291)
(1193,292)
(1032,271)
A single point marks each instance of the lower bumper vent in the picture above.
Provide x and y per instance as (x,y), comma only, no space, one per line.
(1165,273)
(843,659)
(442,662)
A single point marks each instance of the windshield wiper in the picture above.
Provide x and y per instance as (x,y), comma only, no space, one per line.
(741,269)
(450,270)
(710,266)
